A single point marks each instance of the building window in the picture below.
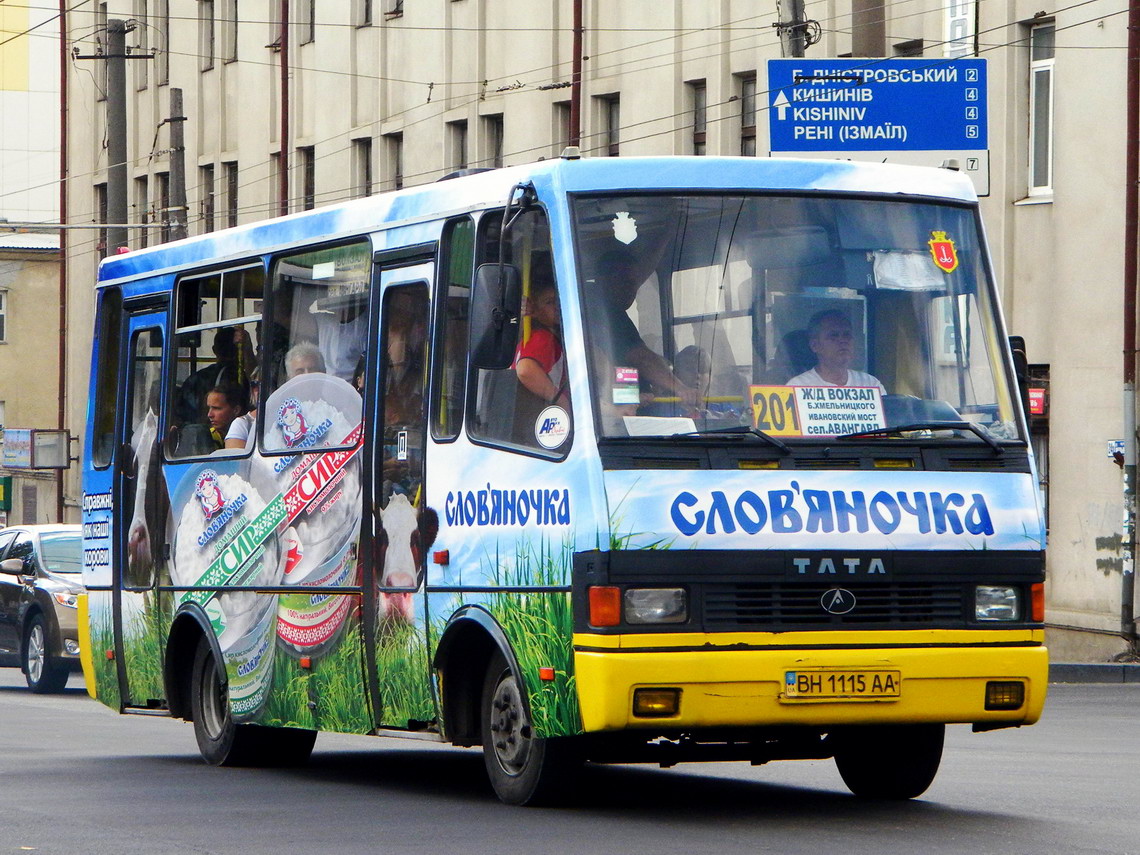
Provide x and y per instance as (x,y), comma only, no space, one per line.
(394,157)
(394,9)
(229,30)
(162,215)
(141,35)
(142,209)
(457,144)
(493,139)
(748,115)
(230,172)
(363,13)
(561,130)
(362,167)
(307,20)
(308,165)
(1,339)
(206,34)
(206,188)
(610,109)
(1042,48)
(162,31)
(3,336)
(101,215)
(914,47)
(698,95)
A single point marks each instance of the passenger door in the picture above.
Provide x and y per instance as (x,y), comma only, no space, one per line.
(141,511)
(398,527)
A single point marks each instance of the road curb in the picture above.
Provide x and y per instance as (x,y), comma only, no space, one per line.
(1094,672)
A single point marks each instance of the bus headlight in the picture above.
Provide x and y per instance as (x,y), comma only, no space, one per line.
(656,605)
(996,602)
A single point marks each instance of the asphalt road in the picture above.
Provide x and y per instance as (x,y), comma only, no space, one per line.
(77,778)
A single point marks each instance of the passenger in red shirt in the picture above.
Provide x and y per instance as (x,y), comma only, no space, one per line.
(540,362)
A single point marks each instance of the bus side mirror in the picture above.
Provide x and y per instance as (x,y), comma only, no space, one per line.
(1021,370)
(495,306)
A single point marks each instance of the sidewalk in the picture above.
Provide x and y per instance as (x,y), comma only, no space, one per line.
(1094,672)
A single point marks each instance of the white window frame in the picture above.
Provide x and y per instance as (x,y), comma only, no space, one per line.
(3,330)
(1040,70)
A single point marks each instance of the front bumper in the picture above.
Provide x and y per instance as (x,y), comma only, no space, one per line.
(738,681)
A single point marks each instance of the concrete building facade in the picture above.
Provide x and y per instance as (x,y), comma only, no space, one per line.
(361,96)
(29,256)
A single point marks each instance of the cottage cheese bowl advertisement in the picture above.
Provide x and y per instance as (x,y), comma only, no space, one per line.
(224,536)
(321,493)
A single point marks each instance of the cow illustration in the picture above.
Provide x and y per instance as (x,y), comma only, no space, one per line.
(406,535)
(150,505)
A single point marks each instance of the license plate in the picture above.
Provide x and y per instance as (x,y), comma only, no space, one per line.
(824,685)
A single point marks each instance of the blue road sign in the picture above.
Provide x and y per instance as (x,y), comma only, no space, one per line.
(877,104)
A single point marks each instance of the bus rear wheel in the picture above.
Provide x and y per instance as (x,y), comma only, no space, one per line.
(523,769)
(890,762)
(224,742)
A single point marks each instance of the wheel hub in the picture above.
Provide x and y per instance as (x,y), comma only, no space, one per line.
(510,732)
(36,653)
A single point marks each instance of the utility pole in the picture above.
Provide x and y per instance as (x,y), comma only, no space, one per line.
(576,78)
(1131,238)
(283,177)
(798,33)
(177,211)
(116,57)
(116,134)
(793,35)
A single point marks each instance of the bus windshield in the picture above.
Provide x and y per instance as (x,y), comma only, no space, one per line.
(802,316)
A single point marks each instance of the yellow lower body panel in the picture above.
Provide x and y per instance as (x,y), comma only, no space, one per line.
(84,637)
(747,686)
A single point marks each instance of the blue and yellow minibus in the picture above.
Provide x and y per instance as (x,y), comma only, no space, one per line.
(583,461)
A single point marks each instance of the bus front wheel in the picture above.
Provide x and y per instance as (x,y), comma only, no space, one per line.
(523,769)
(889,762)
(223,742)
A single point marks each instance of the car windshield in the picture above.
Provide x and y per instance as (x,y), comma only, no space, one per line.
(801,316)
(62,552)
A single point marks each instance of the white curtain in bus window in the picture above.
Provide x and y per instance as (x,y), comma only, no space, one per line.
(316,345)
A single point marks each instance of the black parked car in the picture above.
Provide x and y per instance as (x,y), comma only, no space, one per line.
(40,581)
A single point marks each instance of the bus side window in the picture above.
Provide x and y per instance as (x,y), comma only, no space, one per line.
(318,325)
(453,301)
(107,368)
(526,405)
(216,344)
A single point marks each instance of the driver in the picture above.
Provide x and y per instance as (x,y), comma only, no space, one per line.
(831,339)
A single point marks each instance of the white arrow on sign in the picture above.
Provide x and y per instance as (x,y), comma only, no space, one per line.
(781,104)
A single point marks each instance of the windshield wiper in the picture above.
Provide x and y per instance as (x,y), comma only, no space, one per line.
(742,430)
(980,432)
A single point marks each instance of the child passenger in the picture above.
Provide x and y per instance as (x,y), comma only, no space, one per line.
(540,362)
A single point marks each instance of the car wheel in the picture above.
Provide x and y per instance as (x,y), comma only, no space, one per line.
(224,742)
(897,762)
(523,769)
(42,671)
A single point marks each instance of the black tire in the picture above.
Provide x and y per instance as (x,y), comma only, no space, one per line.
(223,742)
(523,769)
(895,762)
(43,671)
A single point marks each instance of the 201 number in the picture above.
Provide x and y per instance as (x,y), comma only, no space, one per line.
(774,410)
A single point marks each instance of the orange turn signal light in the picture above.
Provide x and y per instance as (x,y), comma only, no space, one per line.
(1037,602)
(605,605)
